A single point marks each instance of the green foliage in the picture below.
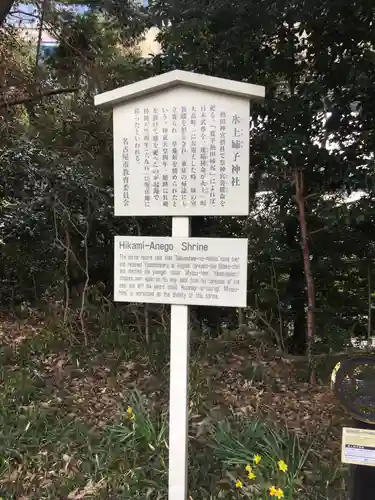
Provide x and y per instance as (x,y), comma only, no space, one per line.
(317,70)
(56,159)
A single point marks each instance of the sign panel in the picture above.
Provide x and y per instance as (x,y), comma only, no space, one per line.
(182,152)
(358,446)
(188,271)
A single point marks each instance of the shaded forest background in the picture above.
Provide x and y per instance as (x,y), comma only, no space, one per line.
(317,125)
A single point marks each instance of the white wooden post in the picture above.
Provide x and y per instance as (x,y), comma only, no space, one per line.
(179,387)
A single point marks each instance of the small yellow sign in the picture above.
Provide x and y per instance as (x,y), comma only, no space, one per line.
(358,446)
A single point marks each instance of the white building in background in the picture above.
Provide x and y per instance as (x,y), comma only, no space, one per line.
(31,34)
(29,29)
(149,45)
(146,47)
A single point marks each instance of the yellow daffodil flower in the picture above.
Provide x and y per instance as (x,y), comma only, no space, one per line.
(276,492)
(257,459)
(251,475)
(239,484)
(282,465)
(248,468)
(130,413)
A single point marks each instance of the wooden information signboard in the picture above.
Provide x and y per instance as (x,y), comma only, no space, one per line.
(181,148)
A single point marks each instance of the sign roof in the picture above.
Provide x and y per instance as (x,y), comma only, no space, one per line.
(179,78)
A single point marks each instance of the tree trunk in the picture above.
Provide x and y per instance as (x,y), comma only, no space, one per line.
(295,291)
(241,317)
(297,342)
(5,6)
(369,311)
(300,199)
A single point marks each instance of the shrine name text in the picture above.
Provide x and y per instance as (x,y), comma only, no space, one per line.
(185,246)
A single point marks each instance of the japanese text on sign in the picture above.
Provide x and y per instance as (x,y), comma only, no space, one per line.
(184,159)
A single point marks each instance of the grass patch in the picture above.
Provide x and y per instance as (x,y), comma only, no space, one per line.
(52,448)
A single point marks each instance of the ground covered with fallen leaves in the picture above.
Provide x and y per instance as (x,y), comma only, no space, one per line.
(65,432)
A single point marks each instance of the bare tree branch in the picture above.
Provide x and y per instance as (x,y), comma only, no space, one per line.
(12,100)
(66,247)
(40,31)
(22,13)
(67,250)
(87,275)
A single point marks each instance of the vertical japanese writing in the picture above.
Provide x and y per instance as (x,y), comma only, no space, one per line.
(165,179)
(193,153)
(125,170)
(174,158)
(184,184)
(237,145)
(146,149)
(223,174)
(203,156)
(155,155)
(212,172)
(137,137)
(182,153)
